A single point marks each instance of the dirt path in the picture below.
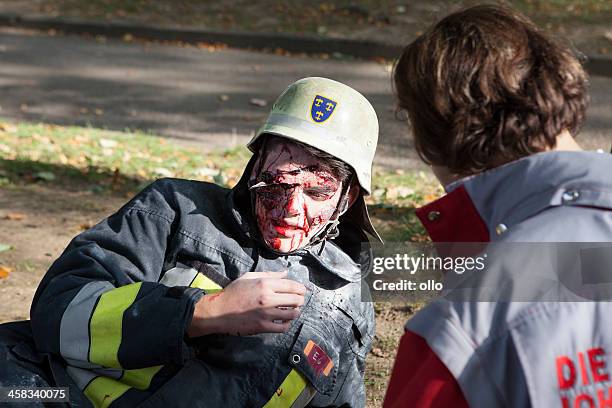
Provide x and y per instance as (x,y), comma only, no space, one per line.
(38,222)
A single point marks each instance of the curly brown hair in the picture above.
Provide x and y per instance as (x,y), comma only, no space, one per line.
(485,86)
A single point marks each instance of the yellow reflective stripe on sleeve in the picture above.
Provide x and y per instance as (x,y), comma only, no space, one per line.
(106,325)
(140,378)
(205,283)
(102,391)
(289,391)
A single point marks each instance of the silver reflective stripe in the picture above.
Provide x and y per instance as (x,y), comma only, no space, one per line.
(82,364)
(74,327)
(80,377)
(83,377)
(115,373)
(305,397)
(181,275)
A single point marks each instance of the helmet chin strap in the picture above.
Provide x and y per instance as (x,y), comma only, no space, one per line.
(330,229)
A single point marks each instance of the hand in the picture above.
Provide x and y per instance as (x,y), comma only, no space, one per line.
(257,302)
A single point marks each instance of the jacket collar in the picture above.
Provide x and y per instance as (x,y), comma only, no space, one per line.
(481,207)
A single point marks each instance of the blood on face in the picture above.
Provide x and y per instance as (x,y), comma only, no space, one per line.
(297,196)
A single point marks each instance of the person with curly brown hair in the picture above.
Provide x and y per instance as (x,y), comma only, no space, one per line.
(494,104)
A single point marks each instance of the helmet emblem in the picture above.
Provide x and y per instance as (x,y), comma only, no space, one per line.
(322,108)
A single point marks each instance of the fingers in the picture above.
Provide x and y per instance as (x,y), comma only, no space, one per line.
(276,282)
(275,327)
(282,314)
(287,286)
(264,275)
(283,300)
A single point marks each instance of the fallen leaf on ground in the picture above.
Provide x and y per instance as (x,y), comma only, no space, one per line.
(116,176)
(419,238)
(231,182)
(162,171)
(15,216)
(44,175)
(430,197)
(258,102)
(5,247)
(378,193)
(220,178)
(211,47)
(108,143)
(206,171)
(5,271)
(7,127)
(399,192)
(377,351)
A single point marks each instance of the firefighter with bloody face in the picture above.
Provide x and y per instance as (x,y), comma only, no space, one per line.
(196,295)
(303,182)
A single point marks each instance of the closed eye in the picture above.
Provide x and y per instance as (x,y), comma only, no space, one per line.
(320,194)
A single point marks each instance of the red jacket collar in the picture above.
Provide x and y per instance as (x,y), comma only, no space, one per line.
(453,218)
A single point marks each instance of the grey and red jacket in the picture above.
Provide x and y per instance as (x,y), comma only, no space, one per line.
(514,353)
(115,306)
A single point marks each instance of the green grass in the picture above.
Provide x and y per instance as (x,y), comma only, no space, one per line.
(105,159)
(123,162)
(134,154)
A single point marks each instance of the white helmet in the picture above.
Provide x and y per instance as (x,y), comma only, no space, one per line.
(333,118)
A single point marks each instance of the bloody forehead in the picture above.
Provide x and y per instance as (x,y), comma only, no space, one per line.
(281,159)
